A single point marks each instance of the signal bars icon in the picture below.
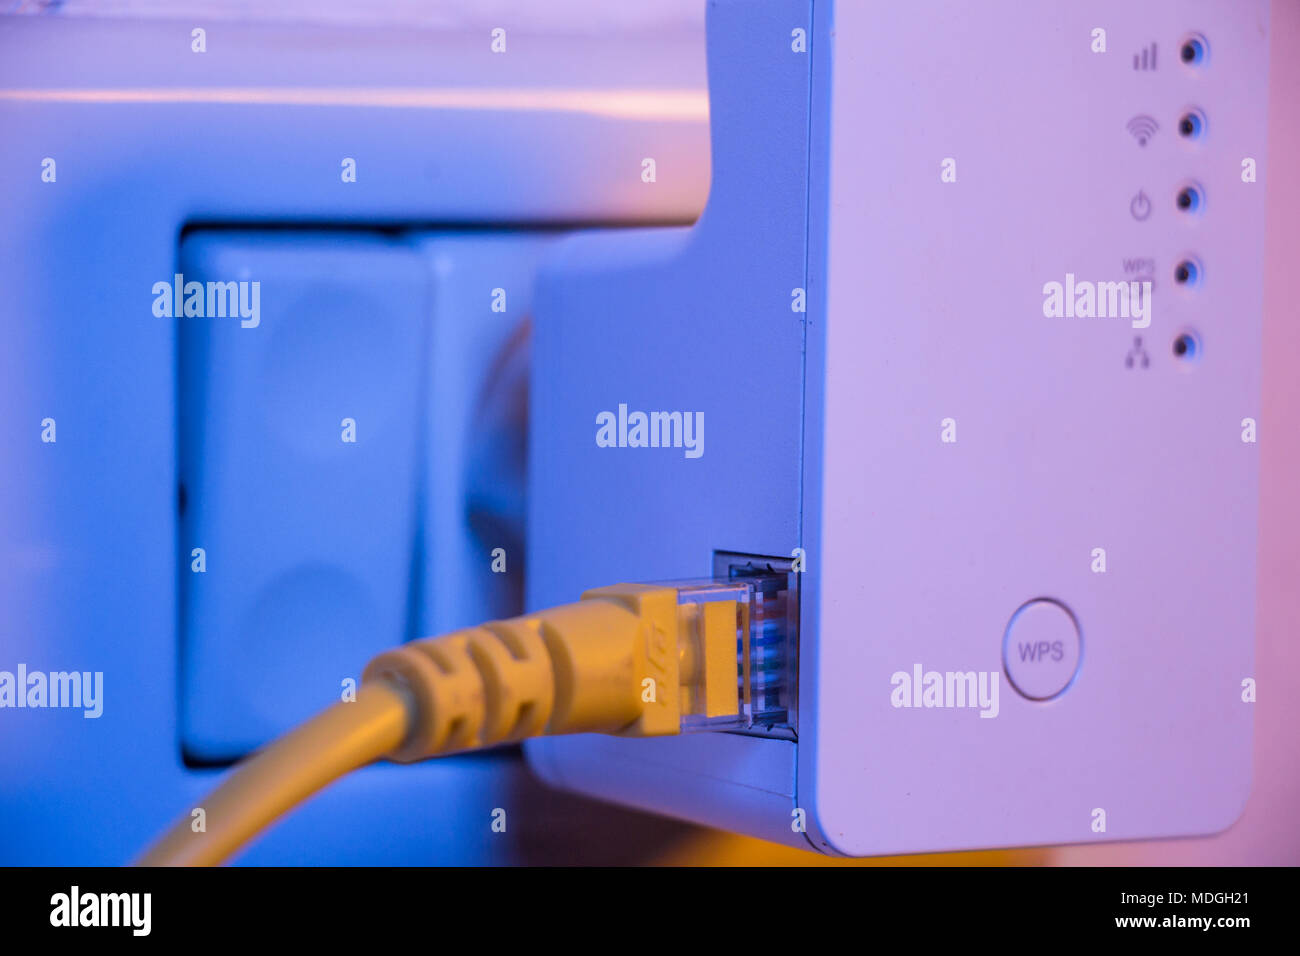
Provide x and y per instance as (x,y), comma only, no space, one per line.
(1142,128)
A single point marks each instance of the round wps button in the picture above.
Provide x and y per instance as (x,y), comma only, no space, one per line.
(1041,649)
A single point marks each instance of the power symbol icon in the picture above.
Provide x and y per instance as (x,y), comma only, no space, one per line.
(1140,206)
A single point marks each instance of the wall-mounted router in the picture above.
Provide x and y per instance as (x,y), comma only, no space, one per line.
(1010,433)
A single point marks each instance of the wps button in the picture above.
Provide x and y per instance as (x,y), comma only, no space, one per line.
(1041,649)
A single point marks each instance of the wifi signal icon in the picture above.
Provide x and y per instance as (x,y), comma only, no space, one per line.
(1142,128)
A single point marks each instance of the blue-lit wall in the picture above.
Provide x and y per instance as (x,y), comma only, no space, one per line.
(173,433)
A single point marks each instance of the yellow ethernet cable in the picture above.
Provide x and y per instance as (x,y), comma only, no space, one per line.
(632,659)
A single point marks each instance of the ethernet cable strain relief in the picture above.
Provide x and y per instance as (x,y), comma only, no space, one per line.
(608,663)
(657,654)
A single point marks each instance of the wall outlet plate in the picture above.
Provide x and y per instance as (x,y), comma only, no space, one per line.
(1028,610)
(93,546)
